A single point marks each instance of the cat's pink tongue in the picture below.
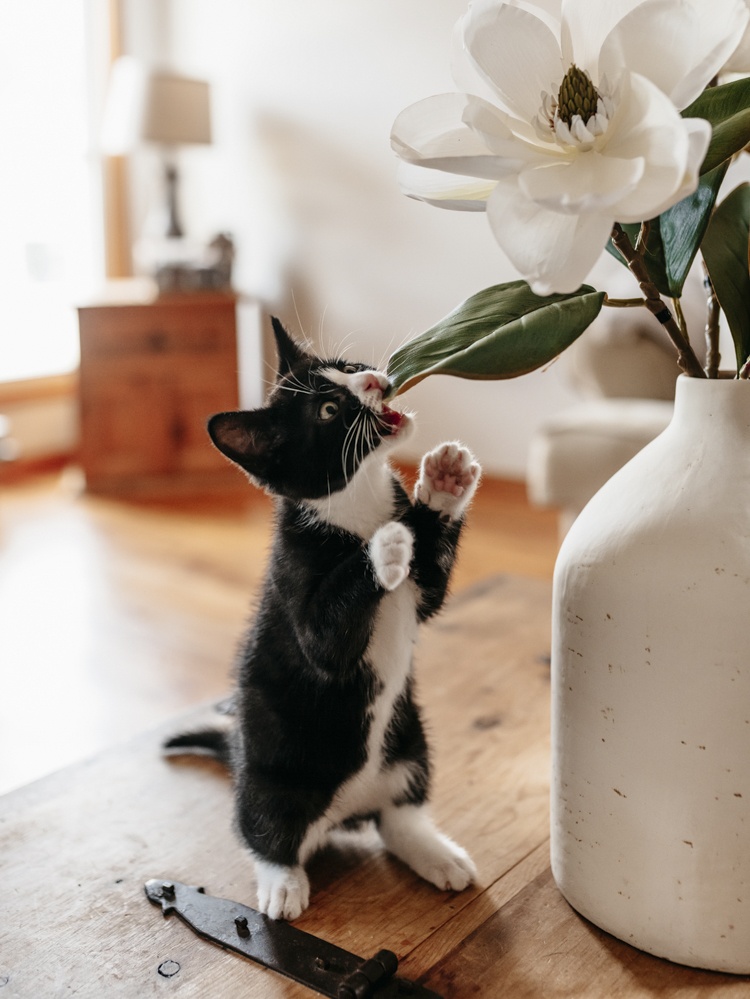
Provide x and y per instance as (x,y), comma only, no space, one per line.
(392,418)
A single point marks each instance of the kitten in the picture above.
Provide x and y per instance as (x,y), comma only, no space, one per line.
(327,732)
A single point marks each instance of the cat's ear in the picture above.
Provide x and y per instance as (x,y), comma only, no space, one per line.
(246,438)
(289,350)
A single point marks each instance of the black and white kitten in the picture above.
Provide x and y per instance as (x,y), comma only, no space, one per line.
(327,733)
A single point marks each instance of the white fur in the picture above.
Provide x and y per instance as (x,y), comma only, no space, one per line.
(391,551)
(360,384)
(410,834)
(365,504)
(283,892)
(448,479)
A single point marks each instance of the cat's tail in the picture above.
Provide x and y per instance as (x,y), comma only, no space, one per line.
(212,742)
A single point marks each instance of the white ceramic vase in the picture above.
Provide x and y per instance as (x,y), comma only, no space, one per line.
(651,691)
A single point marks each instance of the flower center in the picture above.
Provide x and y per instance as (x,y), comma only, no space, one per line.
(577,96)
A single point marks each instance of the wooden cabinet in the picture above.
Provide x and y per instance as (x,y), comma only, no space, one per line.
(151,375)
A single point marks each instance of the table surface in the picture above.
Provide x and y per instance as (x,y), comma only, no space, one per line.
(77,847)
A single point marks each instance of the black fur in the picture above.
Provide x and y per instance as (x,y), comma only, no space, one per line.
(305,686)
(208,742)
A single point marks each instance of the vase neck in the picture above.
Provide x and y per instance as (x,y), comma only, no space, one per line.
(704,405)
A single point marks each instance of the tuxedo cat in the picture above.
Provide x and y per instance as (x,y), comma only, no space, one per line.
(327,734)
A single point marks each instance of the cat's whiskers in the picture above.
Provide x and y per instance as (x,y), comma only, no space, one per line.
(347,443)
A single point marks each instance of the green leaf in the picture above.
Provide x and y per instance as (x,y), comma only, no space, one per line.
(684,225)
(727,108)
(676,235)
(725,250)
(501,332)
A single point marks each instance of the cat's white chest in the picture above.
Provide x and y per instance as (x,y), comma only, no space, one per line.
(389,655)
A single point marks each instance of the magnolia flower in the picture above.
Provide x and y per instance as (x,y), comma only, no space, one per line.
(739,61)
(569,121)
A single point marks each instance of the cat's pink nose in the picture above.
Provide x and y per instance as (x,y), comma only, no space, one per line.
(372,383)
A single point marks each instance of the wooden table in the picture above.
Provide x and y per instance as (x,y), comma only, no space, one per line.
(76,849)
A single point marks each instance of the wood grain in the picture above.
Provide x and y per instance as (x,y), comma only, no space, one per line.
(78,846)
(114,615)
(131,815)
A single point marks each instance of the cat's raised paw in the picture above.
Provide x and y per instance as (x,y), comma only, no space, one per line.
(448,479)
(391,550)
(283,892)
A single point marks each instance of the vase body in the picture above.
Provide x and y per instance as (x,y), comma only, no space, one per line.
(651,691)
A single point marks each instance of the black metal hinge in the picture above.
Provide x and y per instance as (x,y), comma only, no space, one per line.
(277,945)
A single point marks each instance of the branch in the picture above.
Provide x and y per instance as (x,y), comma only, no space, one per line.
(623,303)
(713,357)
(685,355)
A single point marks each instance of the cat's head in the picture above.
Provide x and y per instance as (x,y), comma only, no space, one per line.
(323,421)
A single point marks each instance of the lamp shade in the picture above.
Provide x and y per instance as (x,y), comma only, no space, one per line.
(153,107)
(177,111)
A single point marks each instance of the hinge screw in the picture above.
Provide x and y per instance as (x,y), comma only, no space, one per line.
(167,890)
(242,928)
(320,962)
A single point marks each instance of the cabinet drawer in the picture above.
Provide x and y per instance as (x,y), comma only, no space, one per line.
(157,330)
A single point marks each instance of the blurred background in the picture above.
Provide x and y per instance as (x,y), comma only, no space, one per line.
(175,171)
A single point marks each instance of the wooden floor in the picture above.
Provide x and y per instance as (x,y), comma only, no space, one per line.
(115,616)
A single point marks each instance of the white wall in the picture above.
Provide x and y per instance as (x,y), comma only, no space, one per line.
(304,95)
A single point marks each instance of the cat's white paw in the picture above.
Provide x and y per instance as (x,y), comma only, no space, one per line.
(391,550)
(446,865)
(283,892)
(409,834)
(448,479)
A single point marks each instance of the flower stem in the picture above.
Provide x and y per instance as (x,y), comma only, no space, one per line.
(685,355)
(680,317)
(713,357)
(623,303)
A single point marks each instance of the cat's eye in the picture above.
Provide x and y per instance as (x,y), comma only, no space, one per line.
(328,410)
(350,369)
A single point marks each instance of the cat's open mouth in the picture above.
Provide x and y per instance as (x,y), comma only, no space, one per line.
(392,418)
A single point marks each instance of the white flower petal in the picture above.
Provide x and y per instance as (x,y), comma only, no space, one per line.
(679,47)
(739,61)
(647,124)
(720,27)
(490,125)
(589,183)
(699,136)
(433,134)
(585,25)
(443,190)
(516,54)
(553,252)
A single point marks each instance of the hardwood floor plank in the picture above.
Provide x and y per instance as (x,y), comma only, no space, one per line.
(482,908)
(537,947)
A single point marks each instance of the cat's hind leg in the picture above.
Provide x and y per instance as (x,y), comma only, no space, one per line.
(409,833)
(283,892)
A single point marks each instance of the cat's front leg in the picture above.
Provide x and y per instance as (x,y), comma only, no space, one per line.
(283,892)
(448,479)
(409,833)
(391,550)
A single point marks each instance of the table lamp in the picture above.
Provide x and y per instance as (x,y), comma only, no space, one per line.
(160,107)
